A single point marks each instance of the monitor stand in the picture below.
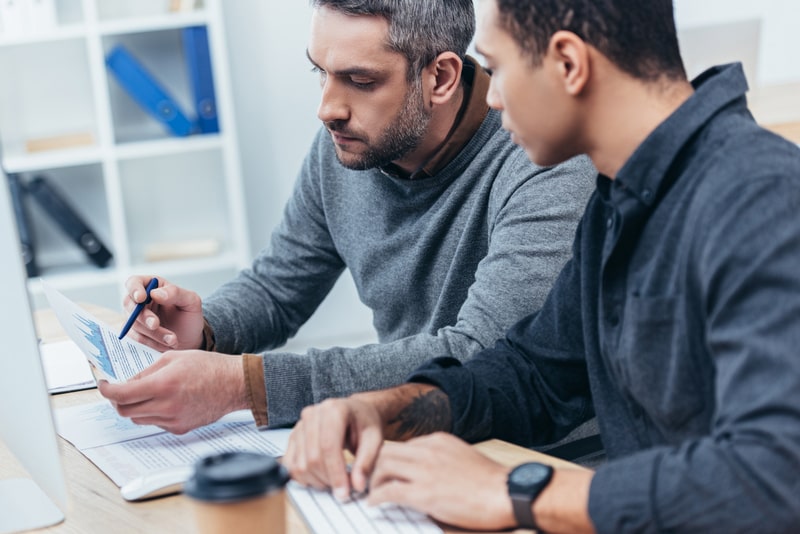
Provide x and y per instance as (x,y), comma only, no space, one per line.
(23,506)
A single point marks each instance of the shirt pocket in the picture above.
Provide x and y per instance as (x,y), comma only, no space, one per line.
(656,360)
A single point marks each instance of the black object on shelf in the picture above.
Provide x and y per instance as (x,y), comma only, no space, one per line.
(26,239)
(68,220)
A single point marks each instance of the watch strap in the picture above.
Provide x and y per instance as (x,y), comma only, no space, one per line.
(524,490)
(523,511)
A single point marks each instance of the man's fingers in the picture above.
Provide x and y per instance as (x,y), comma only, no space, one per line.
(154,339)
(173,295)
(395,492)
(296,461)
(135,287)
(370,443)
(324,439)
(127,393)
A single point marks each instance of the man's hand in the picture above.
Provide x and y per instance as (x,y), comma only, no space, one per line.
(173,320)
(181,391)
(452,482)
(445,478)
(314,456)
(359,424)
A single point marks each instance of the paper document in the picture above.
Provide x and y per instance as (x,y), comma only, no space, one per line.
(124,450)
(65,367)
(324,514)
(113,359)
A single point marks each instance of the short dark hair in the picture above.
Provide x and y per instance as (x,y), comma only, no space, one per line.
(638,36)
(420,30)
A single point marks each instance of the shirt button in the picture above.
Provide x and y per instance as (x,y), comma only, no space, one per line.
(609,222)
(646,194)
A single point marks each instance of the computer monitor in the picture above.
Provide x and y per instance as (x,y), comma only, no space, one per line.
(26,419)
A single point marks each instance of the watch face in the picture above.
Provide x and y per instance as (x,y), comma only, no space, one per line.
(530,474)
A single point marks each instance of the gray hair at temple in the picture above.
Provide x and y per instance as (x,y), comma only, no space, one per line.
(420,30)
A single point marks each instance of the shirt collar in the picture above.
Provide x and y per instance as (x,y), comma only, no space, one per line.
(470,117)
(715,89)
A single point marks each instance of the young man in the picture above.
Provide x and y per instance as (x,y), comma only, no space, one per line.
(677,320)
(450,233)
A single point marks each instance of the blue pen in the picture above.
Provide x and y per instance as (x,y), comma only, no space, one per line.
(151,285)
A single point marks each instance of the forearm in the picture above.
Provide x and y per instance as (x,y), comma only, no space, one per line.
(410,410)
(294,381)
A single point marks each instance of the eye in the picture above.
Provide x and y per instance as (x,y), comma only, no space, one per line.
(361,84)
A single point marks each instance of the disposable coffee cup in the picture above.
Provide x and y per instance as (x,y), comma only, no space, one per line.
(240,492)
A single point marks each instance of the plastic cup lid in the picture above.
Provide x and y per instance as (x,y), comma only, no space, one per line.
(235,476)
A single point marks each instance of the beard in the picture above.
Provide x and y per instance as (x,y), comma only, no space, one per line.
(403,135)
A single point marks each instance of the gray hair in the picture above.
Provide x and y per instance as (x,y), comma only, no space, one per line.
(420,30)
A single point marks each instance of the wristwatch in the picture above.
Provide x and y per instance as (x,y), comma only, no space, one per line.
(525,483)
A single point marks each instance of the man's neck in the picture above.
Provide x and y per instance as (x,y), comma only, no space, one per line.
(624,113)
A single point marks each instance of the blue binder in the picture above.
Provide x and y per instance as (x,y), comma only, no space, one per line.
(198,61)
(147,92)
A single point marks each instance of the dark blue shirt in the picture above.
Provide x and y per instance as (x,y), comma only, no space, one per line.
(678,322)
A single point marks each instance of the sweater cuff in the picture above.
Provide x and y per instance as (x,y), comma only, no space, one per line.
(208,343)
(253,366)
(288,382)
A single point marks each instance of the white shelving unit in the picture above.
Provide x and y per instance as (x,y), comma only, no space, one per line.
(135,184)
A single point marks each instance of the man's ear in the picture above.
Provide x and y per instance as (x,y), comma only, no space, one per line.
(444,77)
(570,56)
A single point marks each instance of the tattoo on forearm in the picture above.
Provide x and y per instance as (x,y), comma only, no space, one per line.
(428,412)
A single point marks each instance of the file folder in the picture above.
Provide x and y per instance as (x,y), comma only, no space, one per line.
(68,220)
(24,228)
(198,61)
(147,92)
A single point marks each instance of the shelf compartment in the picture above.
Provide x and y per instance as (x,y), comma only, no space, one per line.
(83,189)
(175,199)
(161,54)
(45,77)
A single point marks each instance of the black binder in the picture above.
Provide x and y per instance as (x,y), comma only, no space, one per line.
(66,218)
(23,224)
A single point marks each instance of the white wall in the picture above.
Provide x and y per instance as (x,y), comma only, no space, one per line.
(778,61)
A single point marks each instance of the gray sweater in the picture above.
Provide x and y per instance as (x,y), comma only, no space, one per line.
(446,264)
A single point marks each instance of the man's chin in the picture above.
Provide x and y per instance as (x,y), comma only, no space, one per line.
(351,161)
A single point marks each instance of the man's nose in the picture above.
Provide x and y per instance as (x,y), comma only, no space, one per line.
(333,105)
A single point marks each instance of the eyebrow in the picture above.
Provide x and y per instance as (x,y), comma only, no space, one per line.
(352,71)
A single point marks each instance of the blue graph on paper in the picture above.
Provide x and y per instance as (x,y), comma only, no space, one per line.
(94,336)
(111,357)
